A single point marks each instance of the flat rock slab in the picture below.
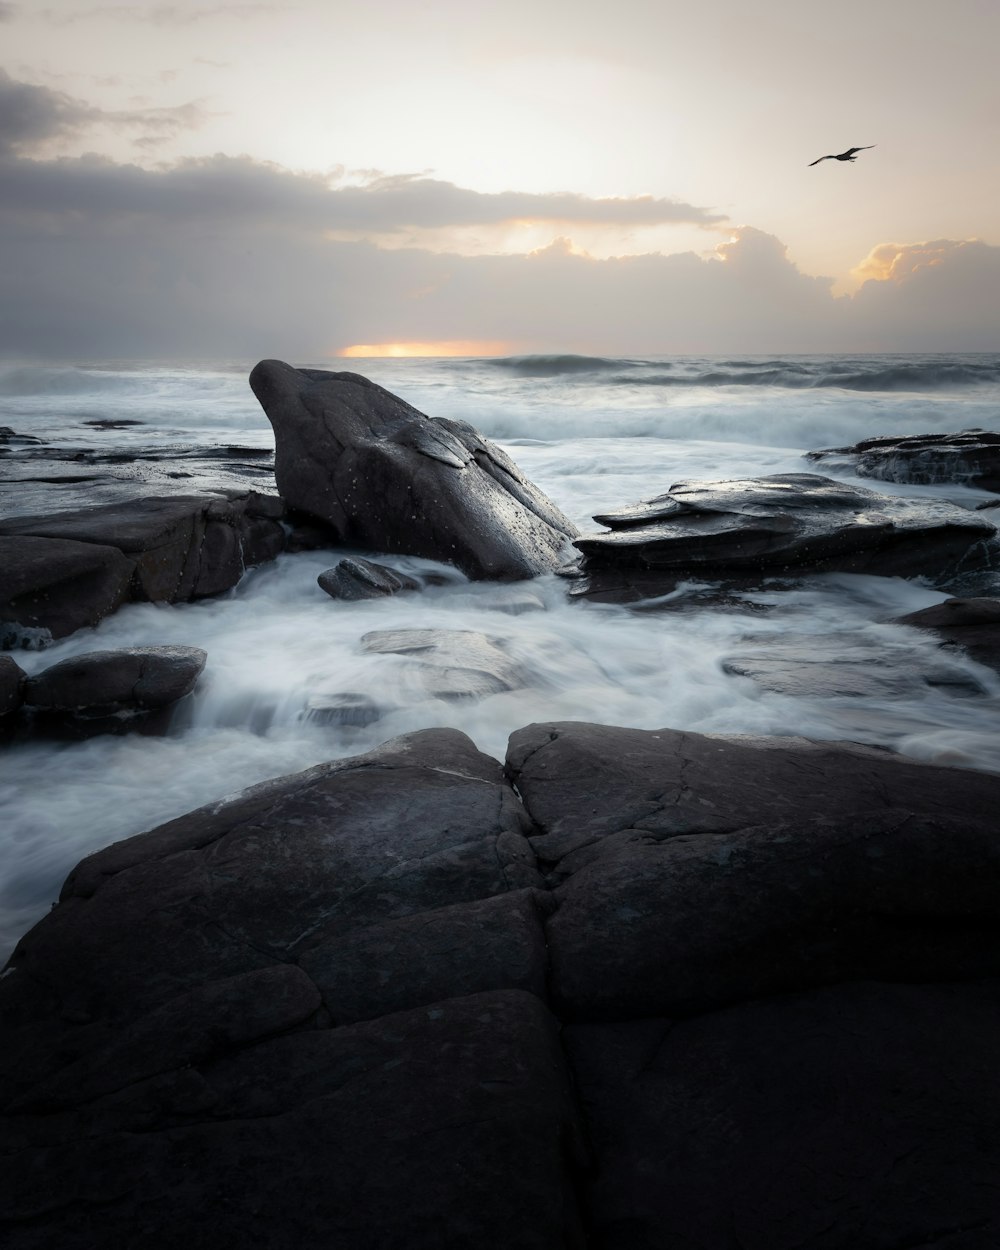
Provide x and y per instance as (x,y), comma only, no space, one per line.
(837,1119)
(789,521)
(971,624)
(450,663)
(388,478)
(798,665)
(445,1127)
(968,457)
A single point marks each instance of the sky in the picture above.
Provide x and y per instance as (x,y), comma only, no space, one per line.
(200,180)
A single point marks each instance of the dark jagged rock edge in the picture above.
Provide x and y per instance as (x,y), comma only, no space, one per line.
(71,569)
(672,989)
(785,523)
(971,457)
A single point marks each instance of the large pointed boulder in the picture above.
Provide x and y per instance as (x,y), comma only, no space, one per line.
(390,479)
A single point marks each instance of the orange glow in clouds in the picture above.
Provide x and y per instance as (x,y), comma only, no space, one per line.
(451,347)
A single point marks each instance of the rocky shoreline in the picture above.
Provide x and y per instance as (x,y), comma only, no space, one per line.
(631,988)
(639,988)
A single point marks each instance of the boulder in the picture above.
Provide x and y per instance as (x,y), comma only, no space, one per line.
(970,624)
(364,579)
(112,691)
(450,663)
(53,586)
(783,523)
(969,457)
(12,679)
(388,478)
(180,547)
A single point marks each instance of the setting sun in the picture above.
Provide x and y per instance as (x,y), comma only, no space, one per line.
(452,347)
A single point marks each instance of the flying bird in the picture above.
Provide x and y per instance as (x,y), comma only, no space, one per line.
(849,155)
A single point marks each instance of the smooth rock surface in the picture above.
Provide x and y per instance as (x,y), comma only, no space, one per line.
(421,823)
(445,1127)
(864,1115)
(969,457)
(113,691)
(788,522)
(388,478)
(971,624)
(178,547)
(355,579)
(696,870)
(322,1012)
(449,663)
(12,679)
(53,586)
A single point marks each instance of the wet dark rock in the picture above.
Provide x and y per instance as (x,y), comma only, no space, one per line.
(11,438)
(787,522)
(423,822)
(452,1125)
(321,1012)
(388,478)
(839,1118)
(344,707)
(487,944)
(364,579)
(58,585)
(971,624)
(70,566)
(450,663)
(12,679)
(698,870)
(969,457)
(112,691)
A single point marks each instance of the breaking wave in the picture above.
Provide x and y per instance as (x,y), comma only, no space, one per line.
(877,373)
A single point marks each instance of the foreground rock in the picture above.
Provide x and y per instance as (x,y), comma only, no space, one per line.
(389,478)
(328,1011)
(787,522)
(112,691)
(71,569)
(971,624)
(970,457)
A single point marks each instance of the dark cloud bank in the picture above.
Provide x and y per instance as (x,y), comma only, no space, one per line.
(228,256)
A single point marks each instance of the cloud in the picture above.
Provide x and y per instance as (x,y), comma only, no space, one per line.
(32,116)
(8,11)
(249,193)
(232,257)
(943,294)
(159,14)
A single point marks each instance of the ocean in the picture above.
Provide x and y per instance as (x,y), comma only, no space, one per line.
(288,683)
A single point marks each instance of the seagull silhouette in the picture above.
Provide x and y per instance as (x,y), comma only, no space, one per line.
(849,155)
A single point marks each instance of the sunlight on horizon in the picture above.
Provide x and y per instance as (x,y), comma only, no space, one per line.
(451,347)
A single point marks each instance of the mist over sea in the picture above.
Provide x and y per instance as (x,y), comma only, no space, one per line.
(594,434)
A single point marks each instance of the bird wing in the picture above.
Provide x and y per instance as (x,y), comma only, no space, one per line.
(851,151)
(821,158)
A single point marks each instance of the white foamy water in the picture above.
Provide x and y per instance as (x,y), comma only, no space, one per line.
(593,435)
